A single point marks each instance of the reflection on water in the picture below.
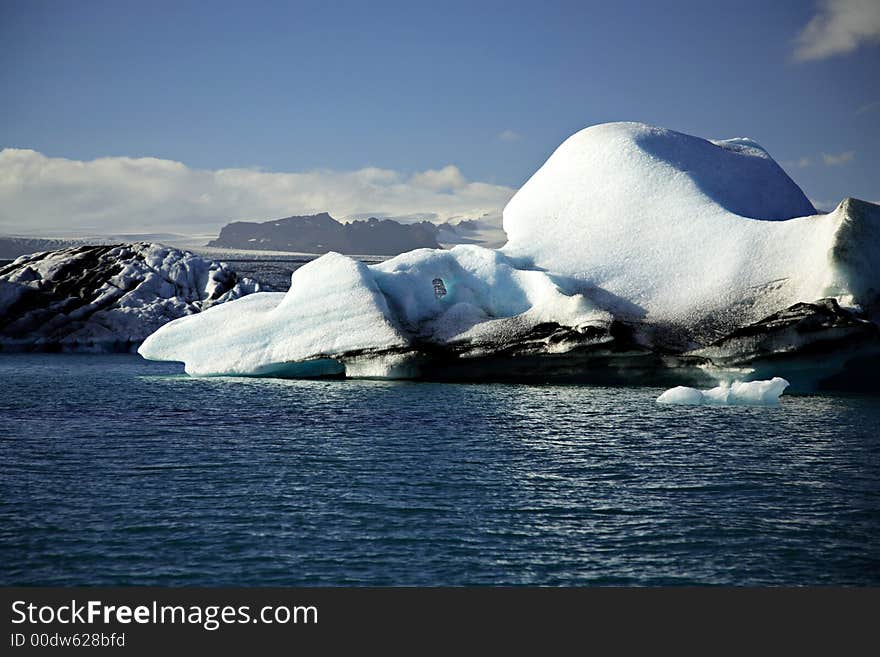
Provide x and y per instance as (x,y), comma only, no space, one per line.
(120,471)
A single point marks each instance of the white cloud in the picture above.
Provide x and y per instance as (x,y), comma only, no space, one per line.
(509,135)
(40,194)
(840,158)
(447,179)
(839,26)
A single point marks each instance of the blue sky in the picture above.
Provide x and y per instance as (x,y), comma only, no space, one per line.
(491,88)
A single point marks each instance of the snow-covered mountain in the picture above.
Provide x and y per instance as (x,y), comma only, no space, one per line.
(633,252)
(486,231)
(107,297)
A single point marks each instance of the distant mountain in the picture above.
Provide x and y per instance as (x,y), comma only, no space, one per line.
(320,233)
(464,232)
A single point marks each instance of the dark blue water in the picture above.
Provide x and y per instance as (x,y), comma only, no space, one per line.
(120,471)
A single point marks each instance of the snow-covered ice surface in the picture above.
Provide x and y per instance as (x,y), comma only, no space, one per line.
(341,316)
(738,393)
(487,300)
(632,249)
(684,229)
(106,297)
(333,307)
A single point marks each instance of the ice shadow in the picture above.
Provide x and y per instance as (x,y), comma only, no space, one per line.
(731,173)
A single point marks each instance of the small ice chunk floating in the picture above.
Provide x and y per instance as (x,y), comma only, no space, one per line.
(738,393)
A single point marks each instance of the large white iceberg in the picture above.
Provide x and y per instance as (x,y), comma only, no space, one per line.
(632,248)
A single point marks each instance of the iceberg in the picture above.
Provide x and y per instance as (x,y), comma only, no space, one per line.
(275,333)
(343,317)
(738,393)
(633,253)
(105,298)
(688,231)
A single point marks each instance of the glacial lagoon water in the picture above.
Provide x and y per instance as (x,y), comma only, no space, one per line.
(118,471)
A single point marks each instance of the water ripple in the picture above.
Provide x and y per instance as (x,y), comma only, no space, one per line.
(119,471)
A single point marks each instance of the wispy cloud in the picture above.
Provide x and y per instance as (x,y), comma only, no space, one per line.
(839,26)
(509,135)
(116,194)
(801,163)
(840,158)
(868,107)
(828,159)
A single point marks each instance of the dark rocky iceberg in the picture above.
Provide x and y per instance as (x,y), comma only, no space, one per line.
(106,298)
